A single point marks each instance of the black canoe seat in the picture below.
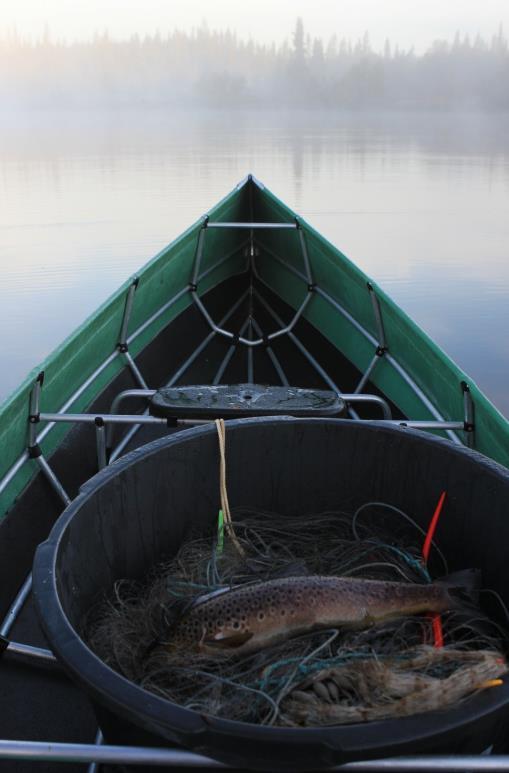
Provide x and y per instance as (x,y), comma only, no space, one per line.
(237,400)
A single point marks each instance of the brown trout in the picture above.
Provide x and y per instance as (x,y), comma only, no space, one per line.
(257,615)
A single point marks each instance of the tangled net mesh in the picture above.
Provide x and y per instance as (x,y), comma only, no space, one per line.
(322,678)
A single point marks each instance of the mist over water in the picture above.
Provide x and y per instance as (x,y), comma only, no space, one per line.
(207,67)
(418,200)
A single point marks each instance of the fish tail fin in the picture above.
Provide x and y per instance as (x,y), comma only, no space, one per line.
(464,593)
(463,588)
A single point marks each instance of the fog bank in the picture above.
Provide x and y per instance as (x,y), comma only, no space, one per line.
(209,68)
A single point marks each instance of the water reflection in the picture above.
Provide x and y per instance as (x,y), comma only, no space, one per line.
(419,201)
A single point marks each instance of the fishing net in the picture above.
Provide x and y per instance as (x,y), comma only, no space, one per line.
(325,677)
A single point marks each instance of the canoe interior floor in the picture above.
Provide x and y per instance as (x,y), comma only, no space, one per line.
(40,703)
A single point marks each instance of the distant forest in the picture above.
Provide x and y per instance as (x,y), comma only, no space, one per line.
(207,68)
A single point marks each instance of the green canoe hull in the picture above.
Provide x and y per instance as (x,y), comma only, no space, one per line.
(414,373)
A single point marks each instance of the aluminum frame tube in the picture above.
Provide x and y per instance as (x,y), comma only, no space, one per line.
(441,425)
(115,405)
(94,767)
(297,316)
(305,255)
(100,436)
(28,653)
(115,453)
(127,393)
(277,366)
(161,757)
(246,341)
(34,409)
(121,418)
(376,399)
(139,419)
(212,324)
(468,410)
(272,355)
(91,418)
(215,328)
(53,480)
(13,471)
(104,754)
(135,370)
(122,338)
(227,358)
(431,764)
(367,373)
(199,252)
(185,365)
(252,225)
(377,311)
(250,355)
(420,394)
(16,606)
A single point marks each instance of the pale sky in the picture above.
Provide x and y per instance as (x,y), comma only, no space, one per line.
(406,22)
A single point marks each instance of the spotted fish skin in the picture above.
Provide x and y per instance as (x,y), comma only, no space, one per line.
(254,616)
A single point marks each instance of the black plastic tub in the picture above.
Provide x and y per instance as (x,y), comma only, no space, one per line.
(140,509)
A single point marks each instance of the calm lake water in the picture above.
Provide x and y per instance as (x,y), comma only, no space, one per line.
(420,202)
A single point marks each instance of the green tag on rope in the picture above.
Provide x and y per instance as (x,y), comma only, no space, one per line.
(220,533)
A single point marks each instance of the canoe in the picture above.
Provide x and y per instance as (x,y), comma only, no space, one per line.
(248,307)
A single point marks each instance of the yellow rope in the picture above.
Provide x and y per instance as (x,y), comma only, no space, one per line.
(225,506)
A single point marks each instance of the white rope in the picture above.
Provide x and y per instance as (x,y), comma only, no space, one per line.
(225,506)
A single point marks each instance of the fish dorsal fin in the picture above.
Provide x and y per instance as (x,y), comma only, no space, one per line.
(229,641)
(293,569)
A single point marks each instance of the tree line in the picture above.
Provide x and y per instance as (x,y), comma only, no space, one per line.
(211,68)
